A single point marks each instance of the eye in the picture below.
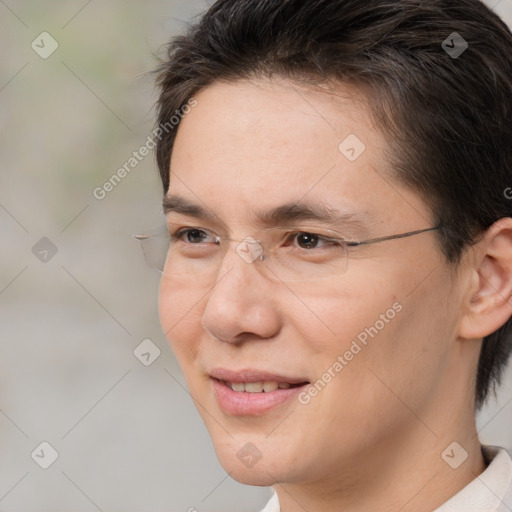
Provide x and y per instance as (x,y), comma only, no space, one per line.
(192,236)
(308,240)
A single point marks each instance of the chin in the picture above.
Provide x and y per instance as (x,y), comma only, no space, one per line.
(251,460)
(258,478)
(261,474)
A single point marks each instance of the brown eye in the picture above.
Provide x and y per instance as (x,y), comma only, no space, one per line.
(307,240)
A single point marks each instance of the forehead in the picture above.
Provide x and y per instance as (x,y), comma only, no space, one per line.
(249,146)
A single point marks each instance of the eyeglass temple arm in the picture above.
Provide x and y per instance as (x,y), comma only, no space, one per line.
(391,237)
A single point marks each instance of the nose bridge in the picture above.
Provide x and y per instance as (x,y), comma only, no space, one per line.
(252,249)
(239,263)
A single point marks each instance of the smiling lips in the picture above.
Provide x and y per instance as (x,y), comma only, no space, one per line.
(252,392)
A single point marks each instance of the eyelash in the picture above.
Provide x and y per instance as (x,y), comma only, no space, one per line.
(177,235)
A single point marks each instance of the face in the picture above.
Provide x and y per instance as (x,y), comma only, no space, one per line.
(340,349)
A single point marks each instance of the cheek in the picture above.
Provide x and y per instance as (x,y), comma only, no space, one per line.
(400,353)
(362,368)
(338,313)
(178,308)
(381,328)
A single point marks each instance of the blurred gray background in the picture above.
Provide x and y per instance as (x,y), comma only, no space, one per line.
(76,298)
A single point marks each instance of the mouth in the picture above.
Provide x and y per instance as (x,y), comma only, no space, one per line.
(251,392)
(260,387)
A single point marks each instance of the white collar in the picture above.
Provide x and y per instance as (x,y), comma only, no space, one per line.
(490,491)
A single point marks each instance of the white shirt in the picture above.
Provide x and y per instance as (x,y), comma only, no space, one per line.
(490,491)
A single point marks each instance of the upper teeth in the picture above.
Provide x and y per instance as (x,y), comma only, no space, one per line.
(257,387)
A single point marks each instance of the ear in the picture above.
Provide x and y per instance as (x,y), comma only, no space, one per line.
(489,303)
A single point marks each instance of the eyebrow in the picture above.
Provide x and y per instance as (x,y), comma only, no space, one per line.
(284,214)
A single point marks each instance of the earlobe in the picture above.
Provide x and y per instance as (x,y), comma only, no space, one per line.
(490,303)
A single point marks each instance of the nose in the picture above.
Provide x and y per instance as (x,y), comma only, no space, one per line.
(242,303)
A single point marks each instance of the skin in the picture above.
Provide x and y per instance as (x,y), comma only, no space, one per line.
(372,439)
